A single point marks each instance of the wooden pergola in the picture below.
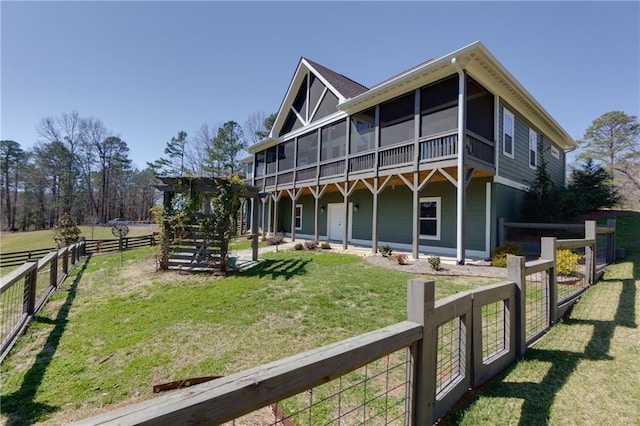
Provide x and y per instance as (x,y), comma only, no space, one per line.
(210,185)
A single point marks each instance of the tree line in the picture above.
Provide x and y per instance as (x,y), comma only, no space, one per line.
(79,167)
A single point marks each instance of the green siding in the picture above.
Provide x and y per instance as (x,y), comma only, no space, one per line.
(517,169)
(395,215)
(505,203)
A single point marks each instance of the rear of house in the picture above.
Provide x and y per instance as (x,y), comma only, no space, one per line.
(426,161)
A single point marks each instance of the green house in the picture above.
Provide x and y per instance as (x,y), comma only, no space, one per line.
(426,161)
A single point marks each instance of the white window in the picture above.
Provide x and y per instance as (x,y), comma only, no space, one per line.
(298,218)
(555,152)
(507,133)
(430,218)
(533,149)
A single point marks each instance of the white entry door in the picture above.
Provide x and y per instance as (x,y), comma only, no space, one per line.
(335,221)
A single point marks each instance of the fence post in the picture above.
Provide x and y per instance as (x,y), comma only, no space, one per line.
(548,252)
(611,240)
(65,261)
(30,282)
(502,232)
(516,273)
(591,253)
(421,396)
(53,271)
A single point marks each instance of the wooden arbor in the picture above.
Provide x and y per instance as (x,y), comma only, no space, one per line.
(192,237)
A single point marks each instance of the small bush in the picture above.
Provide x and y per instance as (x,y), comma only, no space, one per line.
(326,246)
(500,254)
(311,245)
(567,262)
(434,261)
(276,239)
(385,250)
(401,258)
(298,246)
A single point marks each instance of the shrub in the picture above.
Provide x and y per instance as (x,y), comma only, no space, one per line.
(567,262)
(298,246)
(326,246)
(66,232)
(500,254)
(401,258)
(385,250)
(434,261)
(311,245)
(276,239)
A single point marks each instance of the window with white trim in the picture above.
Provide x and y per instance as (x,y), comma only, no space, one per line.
(508,123)
(298,218)
(430,218)
(533,149)
(555,152)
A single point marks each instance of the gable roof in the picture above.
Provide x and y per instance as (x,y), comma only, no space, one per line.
(347,87)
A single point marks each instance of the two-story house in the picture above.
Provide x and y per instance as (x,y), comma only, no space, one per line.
(426,161)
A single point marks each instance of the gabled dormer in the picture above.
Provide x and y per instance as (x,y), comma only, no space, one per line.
(313,94)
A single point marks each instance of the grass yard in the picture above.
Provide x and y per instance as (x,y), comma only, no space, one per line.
(111,332)
(32,240)
(586,369)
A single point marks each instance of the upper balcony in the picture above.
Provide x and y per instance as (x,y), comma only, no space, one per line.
(427,153)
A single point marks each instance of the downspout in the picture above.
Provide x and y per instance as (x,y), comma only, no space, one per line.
(462,184)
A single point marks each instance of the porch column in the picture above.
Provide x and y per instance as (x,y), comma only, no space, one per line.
(416,215)
(253,217)
(461,189)
(254,231)
(264,216)
(294,194)
(345,227)
(374,219)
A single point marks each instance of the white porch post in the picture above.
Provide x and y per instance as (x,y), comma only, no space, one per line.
(460,208)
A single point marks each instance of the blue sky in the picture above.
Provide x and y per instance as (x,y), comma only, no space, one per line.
(151,69)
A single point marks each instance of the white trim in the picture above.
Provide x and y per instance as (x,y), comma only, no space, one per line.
(510,183)
(506,112)
(496,132)
(555,152)
(438,218)
(487,218)
(533,148)
(315,109)
(296,215)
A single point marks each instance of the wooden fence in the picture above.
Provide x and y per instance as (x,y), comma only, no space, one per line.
(26,289)
(443,349)
(92,246)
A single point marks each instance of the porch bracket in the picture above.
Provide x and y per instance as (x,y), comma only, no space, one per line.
(426,180)
(449,177)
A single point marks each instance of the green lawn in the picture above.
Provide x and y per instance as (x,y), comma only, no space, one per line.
(585,371)
(111,332)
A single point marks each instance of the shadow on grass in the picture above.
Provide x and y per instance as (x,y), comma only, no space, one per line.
(538,397)
(276,268)
(20,407)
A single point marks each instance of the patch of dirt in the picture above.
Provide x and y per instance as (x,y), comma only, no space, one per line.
(422,267)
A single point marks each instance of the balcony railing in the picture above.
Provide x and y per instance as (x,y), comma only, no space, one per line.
(306,173)
(334,168)
(362,163)
(480,148)
(396,156)
(440,147)
(286,177)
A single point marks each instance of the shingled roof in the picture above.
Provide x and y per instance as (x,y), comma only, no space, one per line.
(347,87)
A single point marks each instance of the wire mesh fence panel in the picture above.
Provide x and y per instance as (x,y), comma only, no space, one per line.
(60,270)
(11,309)
(495,329)
(537,304)
(573,274)
(602,241)
(43,282)
(375,394)
(450,358)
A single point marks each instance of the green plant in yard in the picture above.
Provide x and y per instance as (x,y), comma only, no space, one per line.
(567,262)
(500,253)
(434,261)
(325,246)
(66,232)
(385,250)
(298,247)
